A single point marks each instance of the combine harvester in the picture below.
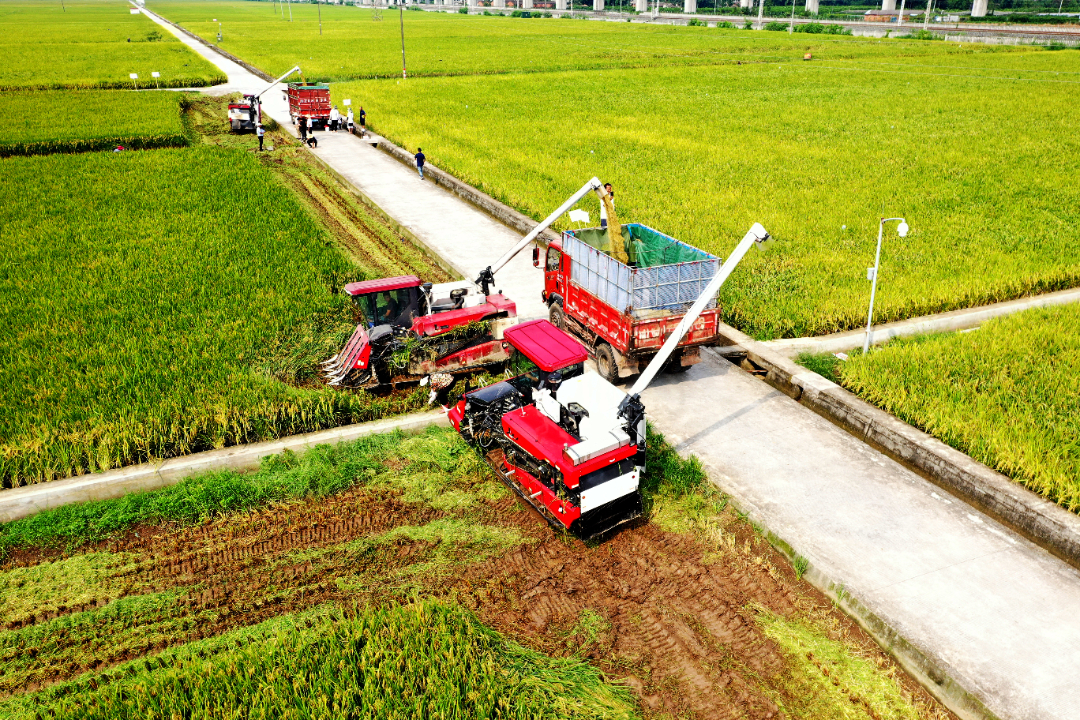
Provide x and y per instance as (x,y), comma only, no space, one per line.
(247,114)
(412,330)
(568,441)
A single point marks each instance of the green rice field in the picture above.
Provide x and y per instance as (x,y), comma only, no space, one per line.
(1007,394)
(705,131)
(92,44)
(166,302)
(39,123)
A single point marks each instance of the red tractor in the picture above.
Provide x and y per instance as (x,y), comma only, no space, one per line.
(567,440)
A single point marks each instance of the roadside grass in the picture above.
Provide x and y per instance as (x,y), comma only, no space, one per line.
(322,471)
(1007,394)
(167,302)
(811,175)
(92,44)
(40,123)
(429,659)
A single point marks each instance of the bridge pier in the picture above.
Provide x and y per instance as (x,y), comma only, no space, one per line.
(598,5)
(641,5)
(689,6)
(812,6)
(888,4)
(746,3)
(978,8)
(527,4)
(499,3)
(560,4)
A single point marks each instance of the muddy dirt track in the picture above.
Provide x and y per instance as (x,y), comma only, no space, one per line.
(675,619)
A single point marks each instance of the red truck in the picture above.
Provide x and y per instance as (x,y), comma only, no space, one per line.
(622,312)
(309,100)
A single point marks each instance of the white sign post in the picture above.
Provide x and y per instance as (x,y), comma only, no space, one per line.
(156,76)
(134,11)
(346,101)
(134,79)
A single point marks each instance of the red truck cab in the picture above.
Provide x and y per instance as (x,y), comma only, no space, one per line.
(625,312)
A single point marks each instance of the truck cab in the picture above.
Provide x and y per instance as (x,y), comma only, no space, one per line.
(556,434)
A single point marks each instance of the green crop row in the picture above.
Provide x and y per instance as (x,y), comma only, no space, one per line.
(42,123)
(352,46)
(1007,394)
(163,303)
(429,659)
(92,44)
(814,152)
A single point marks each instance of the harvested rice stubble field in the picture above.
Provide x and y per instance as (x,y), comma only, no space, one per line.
(426,556)
(92,44)
(1007,394)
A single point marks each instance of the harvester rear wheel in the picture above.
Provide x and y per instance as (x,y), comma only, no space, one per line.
(605,363)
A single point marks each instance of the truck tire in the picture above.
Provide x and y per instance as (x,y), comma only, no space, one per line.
(605,363)
(674,365)
(556,316)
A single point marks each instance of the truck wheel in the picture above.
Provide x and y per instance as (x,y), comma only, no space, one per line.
(605,363)
(557,316)
(675,366)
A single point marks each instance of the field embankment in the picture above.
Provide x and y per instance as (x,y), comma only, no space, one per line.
(691,615)
(87,44)
(1007,394)
(69,121)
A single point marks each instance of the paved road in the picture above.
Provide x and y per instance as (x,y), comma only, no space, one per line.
(1000,616)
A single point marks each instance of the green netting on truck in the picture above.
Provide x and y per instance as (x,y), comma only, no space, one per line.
(644,246)
(664,275)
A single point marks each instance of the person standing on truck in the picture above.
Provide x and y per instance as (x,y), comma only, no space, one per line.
(603,208)
(260,131)
(420,161)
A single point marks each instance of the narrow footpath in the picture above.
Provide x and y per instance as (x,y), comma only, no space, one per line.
(986,613)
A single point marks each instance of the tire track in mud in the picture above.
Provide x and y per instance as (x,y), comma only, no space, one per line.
(678,631)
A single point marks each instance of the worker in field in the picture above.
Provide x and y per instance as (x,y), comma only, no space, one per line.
(603,207)
(420,161)
(260,131)
(363,121)
(349,126)
(335,119)
(303,129)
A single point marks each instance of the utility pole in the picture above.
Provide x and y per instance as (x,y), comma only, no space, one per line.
(900,17)
(319,3)
(926,20)
(760,14)
(401,19)
(290,10)
(791,28)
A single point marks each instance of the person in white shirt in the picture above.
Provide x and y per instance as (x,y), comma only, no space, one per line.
(260,131)
(335,118)
(350,123)
(603,207)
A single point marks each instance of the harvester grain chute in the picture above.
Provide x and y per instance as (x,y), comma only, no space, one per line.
(412,329)
(567,440)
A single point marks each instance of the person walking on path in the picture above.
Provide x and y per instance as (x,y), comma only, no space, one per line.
(350,123)
(335,118)
(303,129)
(260,131)
(420,161)
(363,121)
(603,207)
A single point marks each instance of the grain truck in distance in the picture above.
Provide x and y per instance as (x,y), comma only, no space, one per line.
(622,290)
(411,329)
(565,439)
(247,114)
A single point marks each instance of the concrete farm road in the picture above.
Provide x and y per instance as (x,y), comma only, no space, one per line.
(998,615)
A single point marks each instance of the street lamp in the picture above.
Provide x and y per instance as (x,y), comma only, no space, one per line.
(872,273)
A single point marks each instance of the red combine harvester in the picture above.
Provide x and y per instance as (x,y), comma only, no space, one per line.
(247,114)
(309,100)
(413,329)
(566,440)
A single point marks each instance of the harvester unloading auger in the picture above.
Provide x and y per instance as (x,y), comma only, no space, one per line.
(413,329)
(568,441)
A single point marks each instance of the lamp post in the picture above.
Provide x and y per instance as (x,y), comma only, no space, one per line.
(401,20)
(791,28)
(872,273)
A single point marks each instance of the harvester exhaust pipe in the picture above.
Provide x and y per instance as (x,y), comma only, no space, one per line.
(757,236)
(487,276)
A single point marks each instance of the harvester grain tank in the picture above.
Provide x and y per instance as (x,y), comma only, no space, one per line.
(567,440)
